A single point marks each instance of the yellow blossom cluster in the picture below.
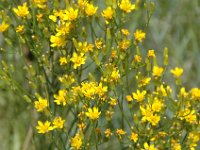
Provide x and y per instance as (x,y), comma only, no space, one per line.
(92,69)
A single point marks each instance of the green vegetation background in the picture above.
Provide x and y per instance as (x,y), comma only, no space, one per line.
(174,24)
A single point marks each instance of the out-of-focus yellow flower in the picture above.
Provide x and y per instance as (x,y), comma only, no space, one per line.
(124,44)
(144,81)
(98,43)
(151,53)
(90,10)
(125,32)
(76,142)
(108,133)
(176,145)
(139,35)
(71,14)
(63,29)
(93,113)
(134,137)
(61,97)
(115,75)
(113,101)
(40,3)
(3,26)
(139,96)
(188,115)
(137,58)
(126,6)
(57,41)
(195,93)
(63,60)
(44,127)
(149,147)
(20,29)
(58,122)
(157,71)
(21,11)
(120,132)
(177,72)
(84,47)
(129,98)
(89,89)
(41,104)
(82,3)
(39,17)
(78,60)
(157,105)
(183,93)
(108,13)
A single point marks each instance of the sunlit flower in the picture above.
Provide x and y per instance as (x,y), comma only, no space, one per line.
(177,72)
(93,113)
(44,127)
(139,35)
(108,13)
(78,60)
(22,11)
(90,10)
(57,41)
(157,71)
(61,97)
(20,29)
(126,6)
(41,104)
(76,142)
(58,122)
(63,60)
(134,137)
(3,27)
(139,96)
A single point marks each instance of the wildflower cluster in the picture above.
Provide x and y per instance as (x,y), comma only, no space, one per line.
(92,82)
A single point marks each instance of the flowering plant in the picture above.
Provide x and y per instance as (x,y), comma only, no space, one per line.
(92,82)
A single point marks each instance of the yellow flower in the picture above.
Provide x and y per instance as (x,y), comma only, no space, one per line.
(78,60)
(71,14)
(177,72)
(157,71)
(157,105)
(125,32)
(108,13)
(90,9)
(151,53)
(137,58)
(22,11)
(154,119)
(134,137)
(44,127)
(144,81)
(89,89)
(139,96)
(126,6)
(40,3)
(39,17)
(124,44)
(183,93)
(120,132)
(41,104)
(63,60)
(108,133)
(139,35)
(195,93)
(175,145)
(113,101)
(98,43)
(20,29)
(76,142)
(93,113)
(129,98)
(115,75)
(84,47)
(149,147)
(3,27)
(61,97)
(57,41)
(58,122)
(63,29)
(82,3)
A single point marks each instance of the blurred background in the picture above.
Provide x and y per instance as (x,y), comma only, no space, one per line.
(174,24)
